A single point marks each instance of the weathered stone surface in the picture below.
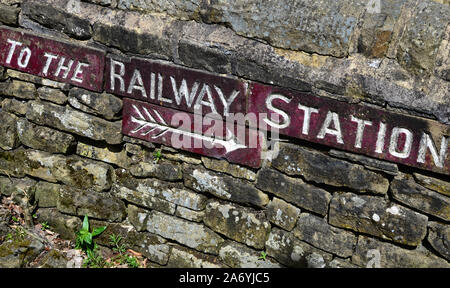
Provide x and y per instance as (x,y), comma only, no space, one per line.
(104,105)
(193,235)
(298,26)
(317,167)
(20,89)
(87,202)
(51,17)
(144,198)
(282,213)
(369,163)
(172,192)
(21,190)
(52,95)
(8,131)
(150,245)
(104,154)
(53,259)
(442,68)
(228,168)
(72,170)
(375,216)
(73,121)
(290,251)
(405,190)
(66,226)
(373,253)
(242,224)
(294,190)
(188,214)
(46,194)
(37,80)
(9,14)
(437,185)
(182,158)
(14,106)
(181,257)
(164,170)
(439,238)
(421,38)
(238,255)
(44,138)
(223,186)
(18,252)
(136,141)
(317,232)
(341,263)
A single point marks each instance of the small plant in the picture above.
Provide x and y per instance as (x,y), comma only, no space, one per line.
(263,256)
(122,258)
(85,242)
(15,219)
(157,155)
(45,226)
(132,261)
(115,242)
(9,236)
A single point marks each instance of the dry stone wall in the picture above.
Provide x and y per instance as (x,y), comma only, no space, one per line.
(63,153)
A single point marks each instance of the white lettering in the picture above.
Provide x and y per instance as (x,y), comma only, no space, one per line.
(380,138)
(119,76)
(137,78)
(360,130)
(61,67)
(77,75)
(306,117)
(14,44)
(393,144)
(226,103)
(427,142)
(50,58)
(210,103)
(331,117)
(287,119)
(23,63)
(160,90)
(184,92)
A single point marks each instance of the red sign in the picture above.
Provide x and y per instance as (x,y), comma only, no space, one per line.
(56,60)
(175,87)
(192,132)
(378,133)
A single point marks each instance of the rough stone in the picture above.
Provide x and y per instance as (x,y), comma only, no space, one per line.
(104,154)
(150,245)
(66,226)
(420,39)
(21,190)
(37,80)
(53,259)
(188,214)
(223,186)
(317,232)
(238,255)
(290,251)
(73,121)
(317,167)
(146,144)
(14,106)
(46,194)
(373,253)
(8,132)
(20,89)
(104,105)
(439,238)
(294,190)
(341,263)
(375,216)
(54,18)
(405,190)
(193,235)
(437,185)
(144,198)
(18,252)
(181,257)
(369,163)
(164,170)
(44,138)
(282,214)
(87,202)
(232,169)
(172,192)
(442,67)
(9,14)
(241,224)
(52,95)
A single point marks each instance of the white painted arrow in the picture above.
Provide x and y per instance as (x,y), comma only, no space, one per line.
(229,143)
